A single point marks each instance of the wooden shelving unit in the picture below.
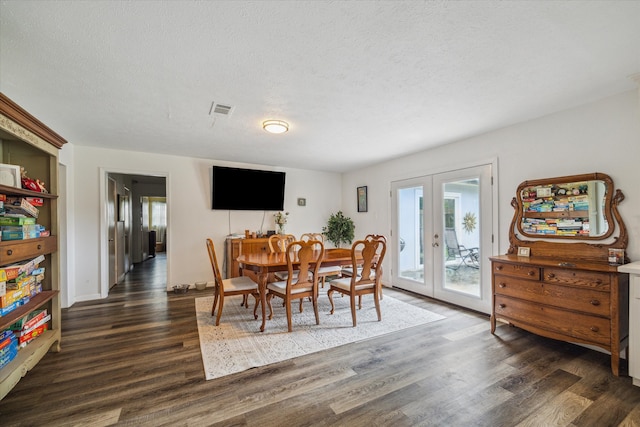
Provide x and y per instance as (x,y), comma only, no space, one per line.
(27,142)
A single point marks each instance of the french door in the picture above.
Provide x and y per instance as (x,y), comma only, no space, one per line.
(442,227)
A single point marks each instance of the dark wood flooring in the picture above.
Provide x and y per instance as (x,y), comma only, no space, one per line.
(134,359)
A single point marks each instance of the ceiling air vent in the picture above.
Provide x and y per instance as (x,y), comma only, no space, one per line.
(220,109)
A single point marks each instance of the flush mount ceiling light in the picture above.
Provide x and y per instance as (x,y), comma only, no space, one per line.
(275,126)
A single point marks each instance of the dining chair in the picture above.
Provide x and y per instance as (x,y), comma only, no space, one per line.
(241,285)
(348,271)
(307,255)
(368,281)
(277,244)
(326,271)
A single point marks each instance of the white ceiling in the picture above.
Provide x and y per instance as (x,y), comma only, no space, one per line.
(358,81)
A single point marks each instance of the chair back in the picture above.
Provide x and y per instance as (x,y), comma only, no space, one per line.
(307,255)
(372,249)
(214,265)
(451,242)
(312,236)
(278,242)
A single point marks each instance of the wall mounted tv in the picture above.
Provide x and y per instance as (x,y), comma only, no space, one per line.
(247,189)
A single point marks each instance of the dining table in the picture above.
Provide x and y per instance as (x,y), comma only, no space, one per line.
(263,263)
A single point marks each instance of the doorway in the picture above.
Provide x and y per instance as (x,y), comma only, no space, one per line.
(443,225)
(123,227)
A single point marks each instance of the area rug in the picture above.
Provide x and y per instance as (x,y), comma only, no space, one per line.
(237,344)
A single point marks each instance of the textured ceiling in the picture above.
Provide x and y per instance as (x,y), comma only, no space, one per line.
(358,81)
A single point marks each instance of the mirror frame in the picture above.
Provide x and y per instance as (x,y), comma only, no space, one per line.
(574,247)
(561,181)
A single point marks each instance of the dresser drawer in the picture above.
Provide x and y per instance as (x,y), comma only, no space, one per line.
(516,270)
(586,300)
(581,278)
(20,250)
(576,325)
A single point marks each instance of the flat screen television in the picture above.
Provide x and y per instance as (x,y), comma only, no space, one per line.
(247,189)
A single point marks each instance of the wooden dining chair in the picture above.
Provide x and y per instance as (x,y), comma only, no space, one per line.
(348,271)
(241,285)
(278,243)
(326,271)
(307,255)
(369,281)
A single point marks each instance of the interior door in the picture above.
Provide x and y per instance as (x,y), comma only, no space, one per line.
(126,217)
(442,226)
(111,229)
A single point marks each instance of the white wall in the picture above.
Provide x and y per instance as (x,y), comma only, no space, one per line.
(603,136)
(190,217)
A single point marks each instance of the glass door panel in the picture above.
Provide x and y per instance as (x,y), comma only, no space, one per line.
(463,223)
(411,253)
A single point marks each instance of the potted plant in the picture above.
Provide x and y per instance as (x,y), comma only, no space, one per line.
(340,229)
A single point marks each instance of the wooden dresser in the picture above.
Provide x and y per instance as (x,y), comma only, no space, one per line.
(582,302)
(556,279)
(240,246)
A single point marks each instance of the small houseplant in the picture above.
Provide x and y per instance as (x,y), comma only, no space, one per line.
(339,229)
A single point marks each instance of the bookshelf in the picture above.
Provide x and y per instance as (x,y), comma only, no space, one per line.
(27,142)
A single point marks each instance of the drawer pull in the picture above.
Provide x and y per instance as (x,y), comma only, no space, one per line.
(594,329)
(503,285)
(551,276)
(531,273)
(9,251)
(502,305)
(39,247)
(499,268)
(595,302)
(599,282)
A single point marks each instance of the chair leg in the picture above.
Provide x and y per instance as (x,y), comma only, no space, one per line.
(245,301)
(315,309)
(376,299)
(220,310)
(215,301)
(269,296)
(353,309)
(289,322)
(255,307)
(330,295)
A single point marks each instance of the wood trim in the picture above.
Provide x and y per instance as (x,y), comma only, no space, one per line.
(17,114)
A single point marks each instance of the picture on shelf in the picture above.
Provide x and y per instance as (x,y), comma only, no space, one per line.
(10,175)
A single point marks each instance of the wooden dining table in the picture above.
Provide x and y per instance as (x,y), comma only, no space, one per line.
(264,263)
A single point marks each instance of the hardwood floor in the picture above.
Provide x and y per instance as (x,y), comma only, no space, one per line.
(134,359)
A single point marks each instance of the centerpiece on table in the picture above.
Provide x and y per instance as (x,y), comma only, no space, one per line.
(281,220)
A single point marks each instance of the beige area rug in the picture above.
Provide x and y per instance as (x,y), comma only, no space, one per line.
(237,344)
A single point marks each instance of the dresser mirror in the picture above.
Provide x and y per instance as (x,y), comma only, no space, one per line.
(575,207)
(573,215)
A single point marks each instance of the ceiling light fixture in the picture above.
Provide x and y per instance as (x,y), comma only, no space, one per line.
(275,126)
